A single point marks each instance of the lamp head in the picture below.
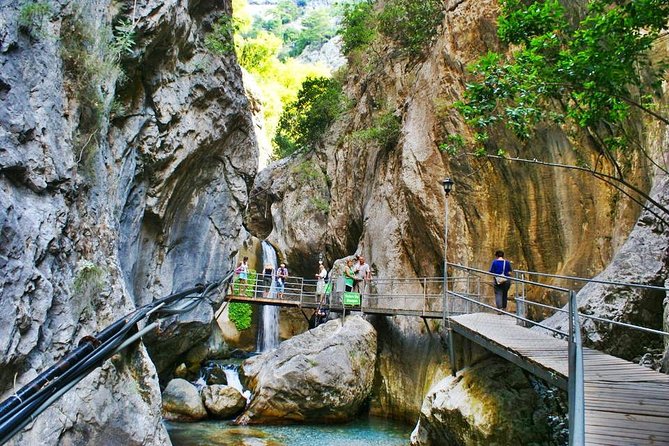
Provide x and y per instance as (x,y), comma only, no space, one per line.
(448,185)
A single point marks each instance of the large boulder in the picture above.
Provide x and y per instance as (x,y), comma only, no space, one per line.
(182,402)
(322,375)
(223,401)
(492,403)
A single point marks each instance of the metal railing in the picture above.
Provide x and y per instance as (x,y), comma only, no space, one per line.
(470,290)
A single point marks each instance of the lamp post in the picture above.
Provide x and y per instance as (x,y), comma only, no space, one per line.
(448,186)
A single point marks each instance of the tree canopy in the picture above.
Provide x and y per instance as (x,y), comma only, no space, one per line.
(590,69)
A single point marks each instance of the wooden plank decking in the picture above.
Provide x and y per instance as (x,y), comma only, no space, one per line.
(625,404)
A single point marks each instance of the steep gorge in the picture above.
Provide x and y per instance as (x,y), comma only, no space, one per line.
(386,201)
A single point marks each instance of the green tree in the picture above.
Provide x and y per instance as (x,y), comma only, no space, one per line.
(304,121)
(590,70)
(317,28)
(411,23)
(358,26)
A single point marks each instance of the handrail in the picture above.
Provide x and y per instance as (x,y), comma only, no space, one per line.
(603,282)
(599,319)
(515,279)
(19,409)
(576,377)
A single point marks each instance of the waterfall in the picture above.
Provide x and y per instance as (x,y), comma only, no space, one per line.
(232,375)
(268,330)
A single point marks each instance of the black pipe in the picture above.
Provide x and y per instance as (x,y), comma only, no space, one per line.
(91,352)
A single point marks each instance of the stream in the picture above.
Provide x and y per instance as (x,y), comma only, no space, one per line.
(363,432)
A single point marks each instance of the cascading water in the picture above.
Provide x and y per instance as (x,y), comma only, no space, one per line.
(268,331)
(232,375)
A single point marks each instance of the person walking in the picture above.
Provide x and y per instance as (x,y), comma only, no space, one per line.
(281,276)
(320,285)
(502,280)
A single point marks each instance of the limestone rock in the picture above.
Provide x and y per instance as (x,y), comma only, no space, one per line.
(223,401)
(322,375)
(182,402)
(641,260)
(112,194)
(491,403)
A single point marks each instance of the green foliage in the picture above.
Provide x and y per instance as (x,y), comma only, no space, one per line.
(385,131)
(411,23)
(240,314)
(91,59)
(358,27)
(258,45)
(32,16)
(453,144)
(258,55)
(304,121)
(307,172)
(320,204)
(124,38)
(89,278)
(221,39)
(595,68)
(317,28)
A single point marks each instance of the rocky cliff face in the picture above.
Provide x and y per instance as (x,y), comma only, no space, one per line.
(115,189)
(384,194)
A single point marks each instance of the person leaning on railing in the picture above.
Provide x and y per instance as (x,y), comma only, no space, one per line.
(281,276)
(349,275)
(362,275)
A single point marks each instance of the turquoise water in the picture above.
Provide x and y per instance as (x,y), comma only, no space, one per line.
(372,431)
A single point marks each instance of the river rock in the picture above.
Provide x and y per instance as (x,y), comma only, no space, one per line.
(223,401)
(182,402)
(491,403)
(323,375)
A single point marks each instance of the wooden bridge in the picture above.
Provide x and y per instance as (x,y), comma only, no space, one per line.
(622,403)
(625,404)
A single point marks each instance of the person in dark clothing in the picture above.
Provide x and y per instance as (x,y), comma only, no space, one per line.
(502,280)
(267,277)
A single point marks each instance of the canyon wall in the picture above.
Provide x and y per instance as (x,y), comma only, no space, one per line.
(385,198)
(123,174)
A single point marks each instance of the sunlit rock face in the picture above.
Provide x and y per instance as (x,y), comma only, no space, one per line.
(113,191)
(322,375)
(386,200)
(492,402)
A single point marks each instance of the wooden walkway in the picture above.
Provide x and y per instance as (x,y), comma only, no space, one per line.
(625,404)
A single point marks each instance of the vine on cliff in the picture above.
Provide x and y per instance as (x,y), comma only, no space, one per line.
(91,58)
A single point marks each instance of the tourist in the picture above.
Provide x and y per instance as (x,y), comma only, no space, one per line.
(281,276)
(349,275)
(502,280)
(243,275)
(320,285)
(362,275)
(267,277)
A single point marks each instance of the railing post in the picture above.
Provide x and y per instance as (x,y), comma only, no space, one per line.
(575,389)
(424,295)
(301,290)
